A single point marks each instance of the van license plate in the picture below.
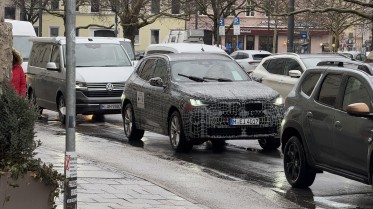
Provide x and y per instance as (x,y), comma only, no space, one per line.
(243,121)
(109,106)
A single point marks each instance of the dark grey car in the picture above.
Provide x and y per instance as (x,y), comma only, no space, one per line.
(198,97)
(328,126)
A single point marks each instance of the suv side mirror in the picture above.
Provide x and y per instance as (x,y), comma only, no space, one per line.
(358,109)
(52,66)
(295,73)
(157,81)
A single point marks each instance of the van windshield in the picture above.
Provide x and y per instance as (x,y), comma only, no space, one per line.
(128,47)
(23,45)
(100,55)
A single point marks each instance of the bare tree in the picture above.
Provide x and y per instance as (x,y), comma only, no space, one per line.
(135,14)
(29,9)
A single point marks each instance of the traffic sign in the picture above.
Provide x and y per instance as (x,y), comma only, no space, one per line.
(303,34)
(236,21)
(221,22)
(221,30)
(236,29)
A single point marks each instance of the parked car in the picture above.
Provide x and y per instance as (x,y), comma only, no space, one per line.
(327,126)
(355,55)
(169,48)
(249,59)
(196,97)
(282,71)
(102,67)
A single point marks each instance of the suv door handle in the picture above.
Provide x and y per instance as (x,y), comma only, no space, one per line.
(309,115)
(338,125)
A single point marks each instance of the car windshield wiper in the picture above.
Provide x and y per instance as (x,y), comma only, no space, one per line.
(193,78)
(219,79)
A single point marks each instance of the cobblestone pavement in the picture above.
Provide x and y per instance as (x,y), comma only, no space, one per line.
(101,187)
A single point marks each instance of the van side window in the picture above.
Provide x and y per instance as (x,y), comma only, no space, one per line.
(56,56)
(40,55)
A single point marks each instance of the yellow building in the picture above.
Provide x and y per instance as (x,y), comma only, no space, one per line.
(99,24)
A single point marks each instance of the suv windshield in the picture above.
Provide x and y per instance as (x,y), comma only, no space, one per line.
(207,70)
(99,55)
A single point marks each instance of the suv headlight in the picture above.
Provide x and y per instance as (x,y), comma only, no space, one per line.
(278,100)
(81,86)
(197,103)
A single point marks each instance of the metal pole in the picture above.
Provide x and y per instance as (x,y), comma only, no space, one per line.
(116,24)
(40,19)
(290,34)
(70,197)
(269,26)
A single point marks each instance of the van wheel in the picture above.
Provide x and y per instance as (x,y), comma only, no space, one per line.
(176,133)
(32,99)
(297,171)
(61,108)
(130,130)
(269,144)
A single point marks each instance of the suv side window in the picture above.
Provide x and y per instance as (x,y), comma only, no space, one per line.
(161,70)
(234,55)
(309,83)
(147,71)
(355,92)
(276,66)
(265,64)
(329,89)
(292,64)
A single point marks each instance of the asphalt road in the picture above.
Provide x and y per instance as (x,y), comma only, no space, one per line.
(243,163)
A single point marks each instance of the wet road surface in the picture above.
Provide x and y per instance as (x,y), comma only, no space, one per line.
(240,161)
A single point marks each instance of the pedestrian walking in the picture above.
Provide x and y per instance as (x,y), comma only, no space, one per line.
(18,76)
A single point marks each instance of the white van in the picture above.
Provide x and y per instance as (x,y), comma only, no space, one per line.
(22,31)
(168,48)
(102,67)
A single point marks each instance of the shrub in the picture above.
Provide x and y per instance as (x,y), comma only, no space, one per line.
(17,144)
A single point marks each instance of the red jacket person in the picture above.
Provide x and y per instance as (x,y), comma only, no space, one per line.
(18,76)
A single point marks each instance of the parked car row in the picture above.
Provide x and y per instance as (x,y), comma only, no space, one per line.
(198,93)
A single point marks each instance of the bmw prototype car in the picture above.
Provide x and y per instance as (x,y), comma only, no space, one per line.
(199,97)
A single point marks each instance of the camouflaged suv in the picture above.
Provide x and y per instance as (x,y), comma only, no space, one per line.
(196,97)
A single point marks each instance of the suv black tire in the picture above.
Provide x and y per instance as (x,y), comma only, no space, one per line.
(129,125)
(269,144)
(297,171)
(176,133)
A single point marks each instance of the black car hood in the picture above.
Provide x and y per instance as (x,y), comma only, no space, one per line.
(242,90)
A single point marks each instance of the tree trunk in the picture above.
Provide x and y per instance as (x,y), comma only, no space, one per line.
(6,46)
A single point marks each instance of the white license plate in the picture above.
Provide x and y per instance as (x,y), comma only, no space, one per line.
(243,121)
(109,106)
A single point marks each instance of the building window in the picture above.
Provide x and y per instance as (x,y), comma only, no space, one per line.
(10,13)
(95,5)
(137,37)
(53,31)
(265,43)
(55,5)
(175,9)
(156,6)
(36,28)
(250,42)
(154,36)
(250,9)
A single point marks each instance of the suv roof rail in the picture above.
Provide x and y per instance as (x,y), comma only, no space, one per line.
(289,53)
(347,64)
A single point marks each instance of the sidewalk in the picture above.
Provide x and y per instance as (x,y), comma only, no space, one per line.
(101,187)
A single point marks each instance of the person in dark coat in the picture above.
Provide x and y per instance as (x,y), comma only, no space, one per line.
(18,76)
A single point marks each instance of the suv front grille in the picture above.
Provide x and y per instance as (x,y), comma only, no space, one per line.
(100,90)
(103,93)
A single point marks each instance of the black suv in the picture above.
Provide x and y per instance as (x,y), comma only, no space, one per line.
(328,126)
